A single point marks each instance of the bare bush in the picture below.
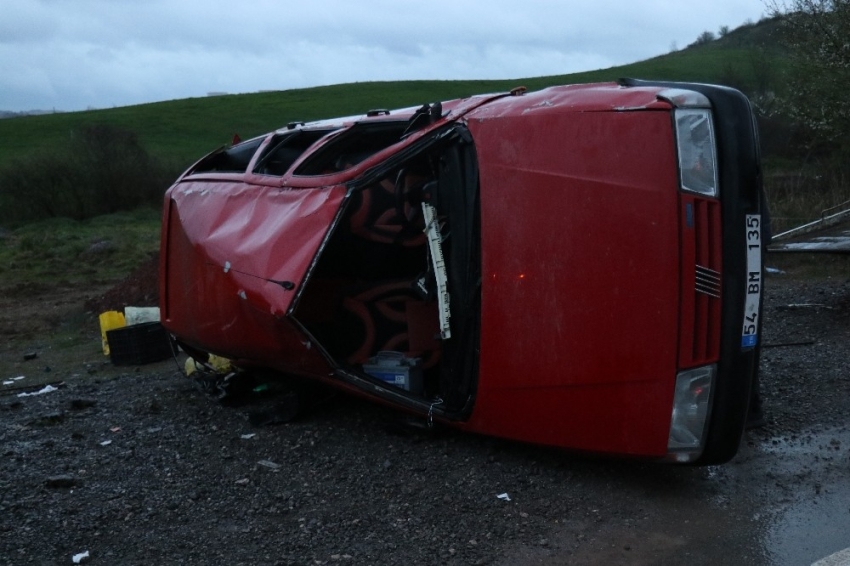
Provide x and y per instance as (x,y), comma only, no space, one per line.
(103,170)
(802,195)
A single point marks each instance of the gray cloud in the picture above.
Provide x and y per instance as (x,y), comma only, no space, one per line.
(102,53)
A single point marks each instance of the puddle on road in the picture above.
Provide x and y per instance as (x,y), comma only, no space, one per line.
(814,521)
(783,501)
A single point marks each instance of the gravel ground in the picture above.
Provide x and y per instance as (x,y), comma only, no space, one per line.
(138,466)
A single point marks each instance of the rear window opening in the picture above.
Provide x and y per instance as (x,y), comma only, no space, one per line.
(351,147)
(233,159)
(285,149)
(373,297)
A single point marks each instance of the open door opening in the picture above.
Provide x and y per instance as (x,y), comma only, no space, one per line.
(397,285)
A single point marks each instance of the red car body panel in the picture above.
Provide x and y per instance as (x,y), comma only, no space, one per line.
(586,281)
(232,250)
(569,305)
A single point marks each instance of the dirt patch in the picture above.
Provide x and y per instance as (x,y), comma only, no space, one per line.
(139,289)
(52,331)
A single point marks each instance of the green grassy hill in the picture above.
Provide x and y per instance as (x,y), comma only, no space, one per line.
(184,130)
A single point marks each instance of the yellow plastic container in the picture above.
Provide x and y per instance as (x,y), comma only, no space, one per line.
(109,320)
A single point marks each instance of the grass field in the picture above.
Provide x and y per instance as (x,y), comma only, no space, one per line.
(62,251)
(183,130)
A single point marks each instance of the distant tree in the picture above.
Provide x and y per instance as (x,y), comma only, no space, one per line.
(704,37)
(724,31)
(817,33)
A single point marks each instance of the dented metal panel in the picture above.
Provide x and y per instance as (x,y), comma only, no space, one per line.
(605,97)
(555,297)
(234,258)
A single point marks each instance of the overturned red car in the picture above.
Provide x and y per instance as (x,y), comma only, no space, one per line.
(578,267)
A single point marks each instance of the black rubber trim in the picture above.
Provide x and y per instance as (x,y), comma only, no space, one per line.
(741,193)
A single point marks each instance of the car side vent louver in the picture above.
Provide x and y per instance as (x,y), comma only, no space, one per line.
(701,288)
(707,281)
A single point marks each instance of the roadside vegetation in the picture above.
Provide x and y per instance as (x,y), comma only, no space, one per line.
(59,251)
(80,191)
(813,173)
(103,169)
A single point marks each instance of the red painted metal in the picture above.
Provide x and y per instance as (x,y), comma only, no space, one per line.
(580,278)
(229,250)
(700,314)
(582,305)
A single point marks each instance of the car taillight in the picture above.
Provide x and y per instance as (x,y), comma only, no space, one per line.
(696,151)
(691,408)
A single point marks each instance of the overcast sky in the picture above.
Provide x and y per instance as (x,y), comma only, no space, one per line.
(78,54)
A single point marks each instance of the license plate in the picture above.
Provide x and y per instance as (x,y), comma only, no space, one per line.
(749,333)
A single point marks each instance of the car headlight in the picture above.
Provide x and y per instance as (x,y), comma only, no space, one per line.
(697,153)
(691,406)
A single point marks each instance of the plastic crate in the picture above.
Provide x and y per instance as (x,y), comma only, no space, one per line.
(139,344)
